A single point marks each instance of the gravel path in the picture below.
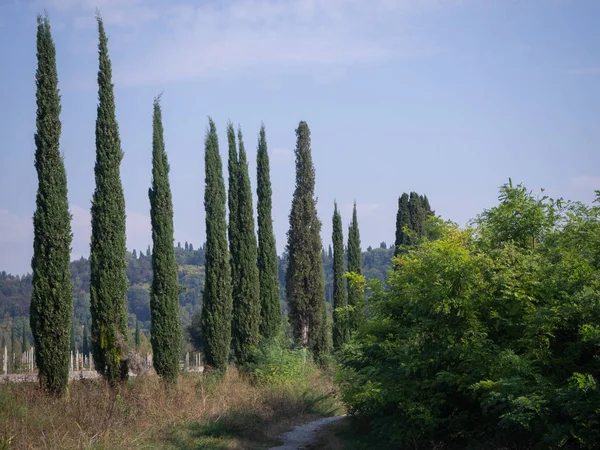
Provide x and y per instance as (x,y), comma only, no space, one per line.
(304,434)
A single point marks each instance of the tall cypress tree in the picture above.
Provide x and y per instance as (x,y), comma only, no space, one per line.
(164,294)
(85,346)
(270,323)
(217,306)
(418,216)
(51,308)
(233,169)
(354,254)
(108,263)
(305,286)
(402,219)
(340,296)
(246,298)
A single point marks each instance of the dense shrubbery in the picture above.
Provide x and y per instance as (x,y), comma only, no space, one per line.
(487,336)
(274,362)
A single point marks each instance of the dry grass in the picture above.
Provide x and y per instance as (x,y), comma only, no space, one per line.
(200,412)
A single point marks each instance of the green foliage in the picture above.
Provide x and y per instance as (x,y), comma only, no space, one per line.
(164,304)
(270,323)
(487,336)
(354,260)
(341,331)
(402,221)
(51,308)
(217,299)
(246,298)
(108,280)
(304,277)
(275,363)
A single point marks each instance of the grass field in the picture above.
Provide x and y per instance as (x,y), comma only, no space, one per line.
(201,411)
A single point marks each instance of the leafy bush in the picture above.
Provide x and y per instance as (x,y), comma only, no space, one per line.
(487,336)
(274,362)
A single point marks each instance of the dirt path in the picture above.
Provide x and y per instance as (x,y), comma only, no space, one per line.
(303,434)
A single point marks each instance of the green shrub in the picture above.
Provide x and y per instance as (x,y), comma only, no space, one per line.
(275,362)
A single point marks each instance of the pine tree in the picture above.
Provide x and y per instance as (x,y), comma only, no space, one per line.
(341,332)
(354,253)
(51,308)
(217,307)
(305,286)
(246,294)
(108,278)
(270,324)
(164,294)
(402,220)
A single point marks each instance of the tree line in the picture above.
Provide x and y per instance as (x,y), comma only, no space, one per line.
(241,297)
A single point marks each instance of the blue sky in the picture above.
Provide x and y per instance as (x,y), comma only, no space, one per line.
(445,97)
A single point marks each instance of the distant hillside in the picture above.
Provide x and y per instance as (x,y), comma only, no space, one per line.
(15,290)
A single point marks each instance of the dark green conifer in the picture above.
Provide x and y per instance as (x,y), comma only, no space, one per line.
(246,294)
(233,169)
(354,253)
(137,336)
(341,332)
(305,286)
(418,216)
(270,324)
(51,308)
(85,347)
(24,339)
(402,220)
(108,263)
(164,294)
(217,306)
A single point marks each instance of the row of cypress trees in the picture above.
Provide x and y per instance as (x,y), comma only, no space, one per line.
(241,295)
(411,219)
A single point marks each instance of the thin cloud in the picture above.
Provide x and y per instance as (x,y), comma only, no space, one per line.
(175,41)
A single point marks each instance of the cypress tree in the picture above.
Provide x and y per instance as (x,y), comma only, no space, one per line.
(340,296)
(418,216)
(51,308)
(354,254)
(232,200)
(216,310)
(305,286)
(24,339)
(402,219)
(108,264)
(85,348)
(164,294)
(246,296)
(270,323)
(137,336)
(330,252)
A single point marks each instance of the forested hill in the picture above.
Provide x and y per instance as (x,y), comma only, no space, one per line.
(15,291)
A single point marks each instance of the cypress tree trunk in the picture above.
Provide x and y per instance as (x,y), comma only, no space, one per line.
(246,299)
(270,323)
(341,332)
(164,294)
(354,253)
(402,219)
(108,263)
(217,306)
(305,286)
(51,309)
